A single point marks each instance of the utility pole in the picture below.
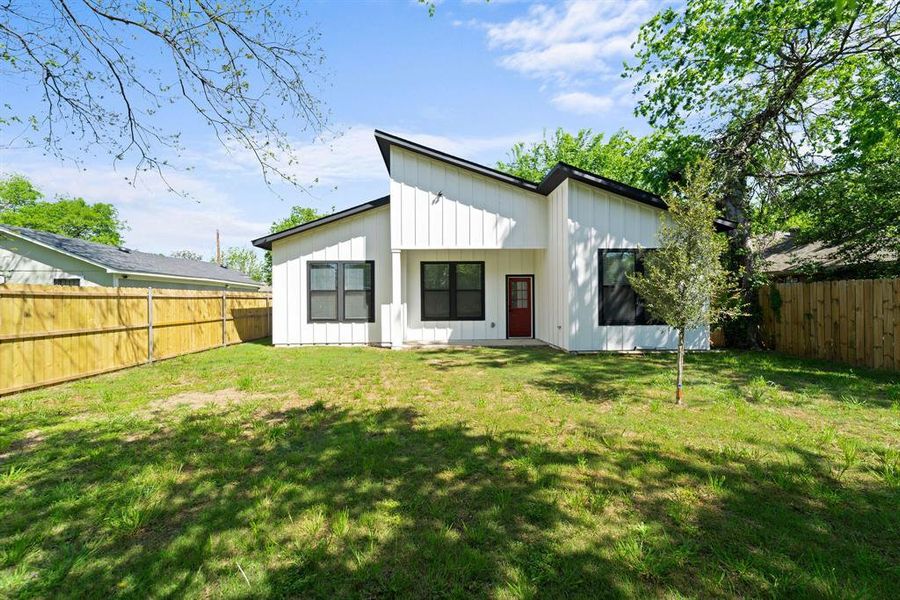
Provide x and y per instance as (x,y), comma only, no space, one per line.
(218,250)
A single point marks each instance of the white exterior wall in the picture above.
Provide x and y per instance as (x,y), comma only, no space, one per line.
(497,265)
(362,237)
(596,220)
(473,211)
(552,295)
(24,262)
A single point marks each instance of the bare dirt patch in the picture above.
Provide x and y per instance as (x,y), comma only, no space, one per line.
(197,399)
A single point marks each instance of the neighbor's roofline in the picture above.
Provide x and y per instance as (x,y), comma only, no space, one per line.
(111,271)
(265,242)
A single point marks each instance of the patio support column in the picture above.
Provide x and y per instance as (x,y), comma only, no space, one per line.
(397,324)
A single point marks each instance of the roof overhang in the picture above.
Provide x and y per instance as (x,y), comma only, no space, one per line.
(265,242)
(563,171)
(386,140)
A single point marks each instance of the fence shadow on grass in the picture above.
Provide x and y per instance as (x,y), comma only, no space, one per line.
(324,502)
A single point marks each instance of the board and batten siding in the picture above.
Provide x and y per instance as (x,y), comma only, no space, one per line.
(551,295)
(596,220)
(439,206)
(497,265)
(362,237)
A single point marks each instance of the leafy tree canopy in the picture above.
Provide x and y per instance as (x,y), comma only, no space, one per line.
(71,217)
(649,163)
(16,191)
(789,93)
(245,260)
(298,216)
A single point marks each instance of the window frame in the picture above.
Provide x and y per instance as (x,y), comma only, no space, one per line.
(451,290)
(640,314)
(67,281)
(339,291)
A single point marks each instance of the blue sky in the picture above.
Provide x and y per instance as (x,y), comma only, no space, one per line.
(472,80)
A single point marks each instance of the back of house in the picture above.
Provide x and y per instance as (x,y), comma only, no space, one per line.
(463,253)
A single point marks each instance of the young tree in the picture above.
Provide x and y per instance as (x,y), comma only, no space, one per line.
(685,283)
(109,71)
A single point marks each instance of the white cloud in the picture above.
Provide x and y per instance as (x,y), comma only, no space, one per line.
(583,103)
(573,48)
(582,36)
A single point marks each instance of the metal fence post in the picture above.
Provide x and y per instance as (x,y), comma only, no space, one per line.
(149,324)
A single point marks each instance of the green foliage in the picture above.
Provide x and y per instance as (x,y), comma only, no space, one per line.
(298,216)
(856,206)
(245,260)
(187,255)
(17,191)
(71,217)
(775,301)
(649,163)
(684,283)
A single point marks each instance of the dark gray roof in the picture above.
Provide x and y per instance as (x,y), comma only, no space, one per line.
(783,252)
(266,240)
(132,261)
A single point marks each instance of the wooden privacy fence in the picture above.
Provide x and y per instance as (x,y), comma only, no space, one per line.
(50,334)
(855,322)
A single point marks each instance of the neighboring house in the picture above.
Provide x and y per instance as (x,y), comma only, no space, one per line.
(460,252)
(786,258)
(39,257)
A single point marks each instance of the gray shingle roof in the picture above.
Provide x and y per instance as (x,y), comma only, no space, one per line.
(132,261)
(782,252)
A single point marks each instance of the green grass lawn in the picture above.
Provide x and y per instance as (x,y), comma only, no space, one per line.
(252,471)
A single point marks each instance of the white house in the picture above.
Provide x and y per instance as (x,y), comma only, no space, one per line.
(460,252)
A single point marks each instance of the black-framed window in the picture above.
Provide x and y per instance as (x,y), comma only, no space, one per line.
(619,304)
(453,291)
(75,281)
(341,291)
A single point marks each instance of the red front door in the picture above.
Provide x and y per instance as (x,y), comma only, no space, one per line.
(519,306)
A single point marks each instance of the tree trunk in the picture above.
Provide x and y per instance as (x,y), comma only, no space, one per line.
(742,256)
(678,381)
